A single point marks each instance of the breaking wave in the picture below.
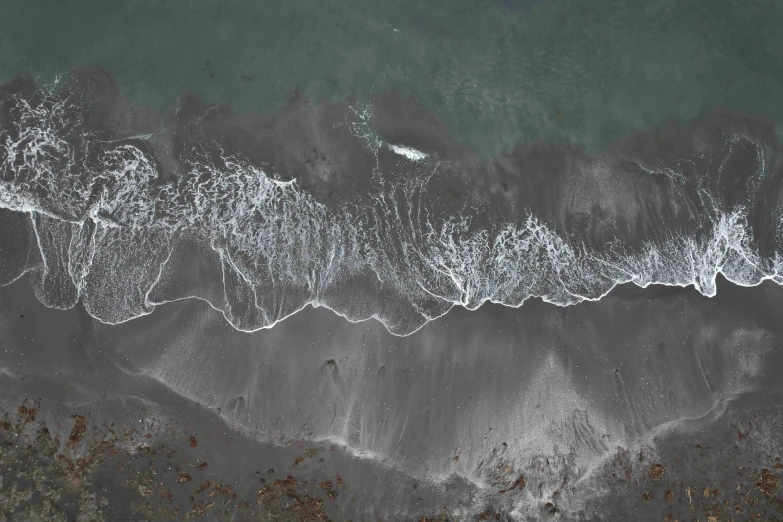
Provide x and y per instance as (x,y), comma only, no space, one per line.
(112,223)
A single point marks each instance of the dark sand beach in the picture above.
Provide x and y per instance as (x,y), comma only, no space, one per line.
(440,423)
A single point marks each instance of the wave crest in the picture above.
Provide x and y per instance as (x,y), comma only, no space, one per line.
(118,229)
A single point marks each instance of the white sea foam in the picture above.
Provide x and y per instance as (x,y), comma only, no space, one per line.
(106,227)
(409,152)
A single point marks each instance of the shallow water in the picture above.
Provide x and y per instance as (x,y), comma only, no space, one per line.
(497,72)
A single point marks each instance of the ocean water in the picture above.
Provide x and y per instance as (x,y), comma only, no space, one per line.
(434,236)
(495,72)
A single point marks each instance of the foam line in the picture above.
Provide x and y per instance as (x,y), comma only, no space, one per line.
(289,246)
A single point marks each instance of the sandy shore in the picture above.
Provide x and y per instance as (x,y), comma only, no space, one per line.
(462,408)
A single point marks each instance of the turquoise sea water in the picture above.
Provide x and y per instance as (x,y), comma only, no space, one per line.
(497,72)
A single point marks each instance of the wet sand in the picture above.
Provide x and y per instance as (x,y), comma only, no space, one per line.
(461,408)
